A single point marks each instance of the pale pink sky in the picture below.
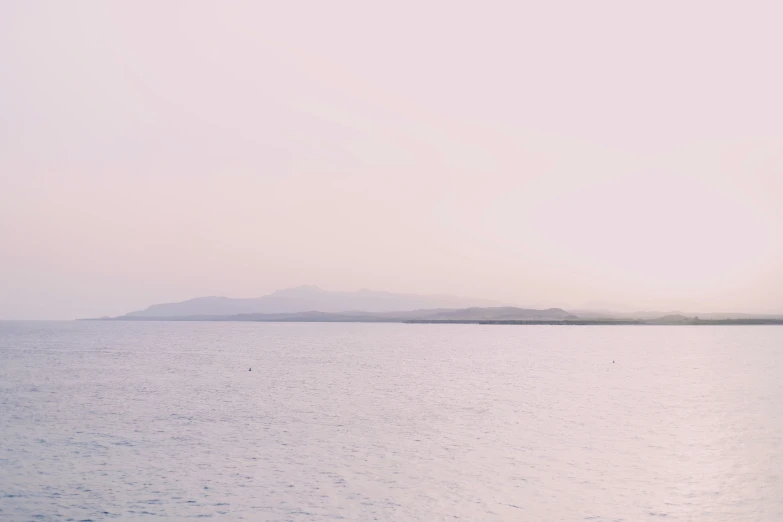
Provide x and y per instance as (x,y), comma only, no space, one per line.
(625,154)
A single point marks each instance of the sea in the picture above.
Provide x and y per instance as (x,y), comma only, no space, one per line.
(390,422)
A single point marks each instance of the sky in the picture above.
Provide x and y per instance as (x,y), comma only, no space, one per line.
(604,154)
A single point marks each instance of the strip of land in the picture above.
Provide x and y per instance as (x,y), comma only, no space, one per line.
(615,322)
(487,316)
(313,304)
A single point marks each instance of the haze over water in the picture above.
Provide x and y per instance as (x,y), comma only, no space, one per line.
(389,422)
(606,155)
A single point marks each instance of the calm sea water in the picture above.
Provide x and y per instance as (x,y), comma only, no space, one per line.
(364,422)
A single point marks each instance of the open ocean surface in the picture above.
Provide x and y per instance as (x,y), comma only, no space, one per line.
(151,420)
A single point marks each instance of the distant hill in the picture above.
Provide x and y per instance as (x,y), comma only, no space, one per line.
(475,315)
(672,319)
(308,299)
(505,313)
(310,303)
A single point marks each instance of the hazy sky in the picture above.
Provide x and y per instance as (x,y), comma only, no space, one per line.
(603,153)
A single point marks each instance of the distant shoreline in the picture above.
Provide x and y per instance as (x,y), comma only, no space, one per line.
(309,304)
(619,322)
(573,322)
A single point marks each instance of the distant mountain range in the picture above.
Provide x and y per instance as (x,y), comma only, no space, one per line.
(505,313)
(313,304)
(309,299)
